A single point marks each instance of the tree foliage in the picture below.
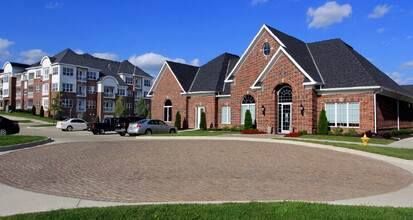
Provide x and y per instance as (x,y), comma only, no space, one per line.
(149,115)
(41,114)
(322,123)
(55,106)
(141,107)
(34,110)
(248,121)
(178,120)
(120,108)
(97,120)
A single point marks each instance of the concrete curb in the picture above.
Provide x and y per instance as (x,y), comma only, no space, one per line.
(26,145)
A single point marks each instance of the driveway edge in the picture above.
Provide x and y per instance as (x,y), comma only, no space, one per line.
(26,145)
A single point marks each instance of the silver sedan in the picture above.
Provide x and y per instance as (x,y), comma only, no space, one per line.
(150,126)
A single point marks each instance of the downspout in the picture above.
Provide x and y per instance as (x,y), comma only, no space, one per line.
(375,110)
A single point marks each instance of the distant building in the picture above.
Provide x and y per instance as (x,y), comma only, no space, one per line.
(89,85)
(284,83)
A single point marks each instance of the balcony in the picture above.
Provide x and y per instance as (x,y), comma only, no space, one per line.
(80,109)
(1,85)
(1,96)
(30,95)
(109,95)
(81,94)
(19,83)
(31,81)
(81,78)
(108,109)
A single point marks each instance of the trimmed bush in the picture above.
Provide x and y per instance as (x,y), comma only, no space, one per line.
(58,116)
(338,131)
(202,124)
(401,132)
(225,128)
(330,133)
(41,114)
(369,133)
(303,132)
(322,123)
(253,132)
(351,132)
(34,110)
(178,120)
(386,135)
(97,120)
(248,121)
(149,115)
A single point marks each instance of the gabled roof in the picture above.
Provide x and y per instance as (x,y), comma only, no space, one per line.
(408,88)
(341,66)
(21,65)
(211,75)
(184,73)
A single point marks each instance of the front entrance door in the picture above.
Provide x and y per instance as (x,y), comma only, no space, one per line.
(284,117)
(198,115)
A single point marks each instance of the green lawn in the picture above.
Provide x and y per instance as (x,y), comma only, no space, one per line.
(24,121)
(253,210)
(388,151)
(26,115)
(18,139)
(199,133)
(43,125)
(348,139)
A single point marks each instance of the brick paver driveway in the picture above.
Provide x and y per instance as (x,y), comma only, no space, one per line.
(194,170)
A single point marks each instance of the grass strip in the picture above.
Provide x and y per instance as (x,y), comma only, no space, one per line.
(387,151)
(348,139)
(18,139)
(43,125)
(27,115)
(253,210)
(199,133)
(24,121)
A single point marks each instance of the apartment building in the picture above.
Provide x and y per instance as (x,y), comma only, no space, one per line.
(89,86)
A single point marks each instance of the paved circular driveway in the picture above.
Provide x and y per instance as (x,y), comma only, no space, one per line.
(195,170)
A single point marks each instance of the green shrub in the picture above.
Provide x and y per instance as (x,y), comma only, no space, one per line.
(58,115)
(303,132)
(322,123)
(202,124)
(351,132)
(97,120)
(338,131)
(248,121)
(41,114)
(330,133)
(178,120)
(33,110)
(396,132)
(225,128)
(149,115)
(233,128)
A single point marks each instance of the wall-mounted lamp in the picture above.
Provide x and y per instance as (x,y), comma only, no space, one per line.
(263,110)
(302,109)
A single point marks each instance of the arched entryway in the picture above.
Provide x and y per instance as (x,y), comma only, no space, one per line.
(285,100)
(167,110)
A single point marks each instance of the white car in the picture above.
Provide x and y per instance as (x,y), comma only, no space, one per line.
(71,124)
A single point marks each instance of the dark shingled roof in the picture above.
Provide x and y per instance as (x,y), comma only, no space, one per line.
(184,73)
(300,53)
(341,66)
(107,67)
(1,70)
(408,88)
(22,65)
(211,75)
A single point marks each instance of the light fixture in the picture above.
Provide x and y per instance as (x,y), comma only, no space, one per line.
(302,109)
(263,110)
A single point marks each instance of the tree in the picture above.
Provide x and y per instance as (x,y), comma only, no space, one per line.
(34,110)
(141,107)
(97,120)
(178,120)
(248,121)
(322,123)
(41,114)
(55,105)
(202,124)
(149,115)
(120,108)
(58,115)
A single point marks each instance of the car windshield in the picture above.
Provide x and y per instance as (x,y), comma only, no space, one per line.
(142,121)
(67,119)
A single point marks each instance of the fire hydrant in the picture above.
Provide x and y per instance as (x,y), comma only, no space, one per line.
(365,140)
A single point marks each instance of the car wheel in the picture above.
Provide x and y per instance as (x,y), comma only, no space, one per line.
(172,131)
(3,132)
(69,128)
(95,132)
(101,131)
(122,134)
(148,132)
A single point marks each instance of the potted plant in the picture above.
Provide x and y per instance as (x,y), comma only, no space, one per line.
(291,129)
(269,129)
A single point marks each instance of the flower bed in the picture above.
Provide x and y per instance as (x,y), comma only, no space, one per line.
(294,134)
(253,132)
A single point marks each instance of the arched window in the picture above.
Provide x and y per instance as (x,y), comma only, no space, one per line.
(248,102)
(285,99)
(167,110)
(285,95)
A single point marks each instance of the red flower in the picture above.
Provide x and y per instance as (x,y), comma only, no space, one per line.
(294,134)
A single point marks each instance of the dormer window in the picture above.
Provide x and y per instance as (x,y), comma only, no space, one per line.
(266,49)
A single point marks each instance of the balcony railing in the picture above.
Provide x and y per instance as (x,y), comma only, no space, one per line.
(31,81)
(81,78)
(30,95)
(19,83)
(108,109)
(1,96)
(81,108)
(81,93)
(109,95)
(1,85)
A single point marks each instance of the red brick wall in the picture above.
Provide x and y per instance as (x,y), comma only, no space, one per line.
(210,104)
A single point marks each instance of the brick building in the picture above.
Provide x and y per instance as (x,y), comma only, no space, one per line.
(285,83)
(89,85)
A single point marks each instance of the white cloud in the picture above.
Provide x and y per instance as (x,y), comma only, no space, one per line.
(385,43)
(152,62)
(53,5)
(381,30)
(107,55)
(4,52)
(380,11)
(409,37)
(79,51)
(408,65)
(32,56)
(256,2)
(400,78)
(328,14)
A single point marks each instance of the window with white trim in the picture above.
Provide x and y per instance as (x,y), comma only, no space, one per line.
(91,104)
(46,73)
(67,87)
(68,71)
(128,80)
(147,82)
(38,73)
(55,87)
(91,90)
(66,103)
(37,103)
(248,103)
(122,92)
(91,75)
(5,92)
(343,114)
(109,106)
(167,110)
(226,114)
(45,103)
(138,83)
(55,70)
(45,88)
(130,93)
(129,106)
(37,89)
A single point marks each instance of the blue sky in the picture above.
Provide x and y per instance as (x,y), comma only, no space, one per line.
(194,32)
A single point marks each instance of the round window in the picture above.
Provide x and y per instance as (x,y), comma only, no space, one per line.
(267,49)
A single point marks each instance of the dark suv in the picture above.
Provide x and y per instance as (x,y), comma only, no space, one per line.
(8,126)
(122,124)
